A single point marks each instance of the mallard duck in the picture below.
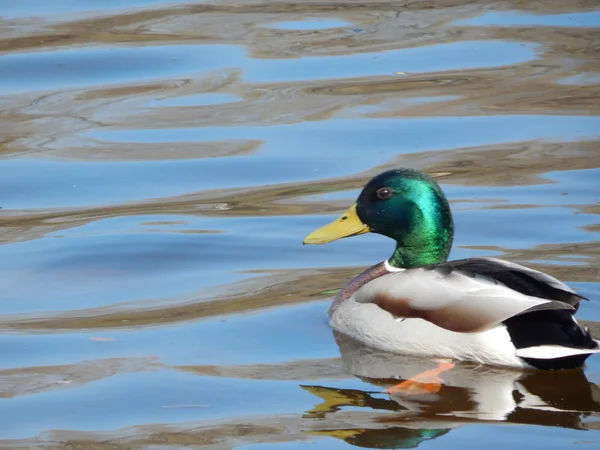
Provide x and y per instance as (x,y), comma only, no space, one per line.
(484,310)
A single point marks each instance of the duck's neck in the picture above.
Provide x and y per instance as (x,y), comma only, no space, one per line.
(405,259)
(407,256)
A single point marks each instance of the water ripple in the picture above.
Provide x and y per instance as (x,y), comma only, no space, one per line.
(161,162)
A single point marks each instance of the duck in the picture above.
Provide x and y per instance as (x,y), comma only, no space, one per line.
(481,309)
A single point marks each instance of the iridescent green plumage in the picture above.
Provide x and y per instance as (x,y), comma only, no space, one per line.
(416,215)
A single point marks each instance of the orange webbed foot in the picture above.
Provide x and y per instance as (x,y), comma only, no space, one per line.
(427,382)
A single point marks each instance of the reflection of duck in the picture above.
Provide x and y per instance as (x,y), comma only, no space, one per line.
(389,438)
(469,394)
(479,309)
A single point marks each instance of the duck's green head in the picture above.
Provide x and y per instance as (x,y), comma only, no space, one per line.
(405,205)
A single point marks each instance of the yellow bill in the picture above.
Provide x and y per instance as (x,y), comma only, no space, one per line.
(348,224)
(340,434)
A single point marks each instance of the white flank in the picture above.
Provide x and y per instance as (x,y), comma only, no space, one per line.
(379,329)
(476,296)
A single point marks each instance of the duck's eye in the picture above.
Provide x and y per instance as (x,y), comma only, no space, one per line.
(384,193)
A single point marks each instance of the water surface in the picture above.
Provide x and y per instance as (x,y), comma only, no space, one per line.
(161,162)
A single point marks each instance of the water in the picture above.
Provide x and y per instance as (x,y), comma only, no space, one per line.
(310,24)
(160,163)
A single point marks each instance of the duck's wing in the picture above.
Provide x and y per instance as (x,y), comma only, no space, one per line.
(452,298)
(520,278)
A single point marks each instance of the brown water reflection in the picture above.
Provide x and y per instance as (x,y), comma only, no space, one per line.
(161,162)
(48,121)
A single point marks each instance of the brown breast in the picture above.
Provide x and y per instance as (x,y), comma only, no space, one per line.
(357,282)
